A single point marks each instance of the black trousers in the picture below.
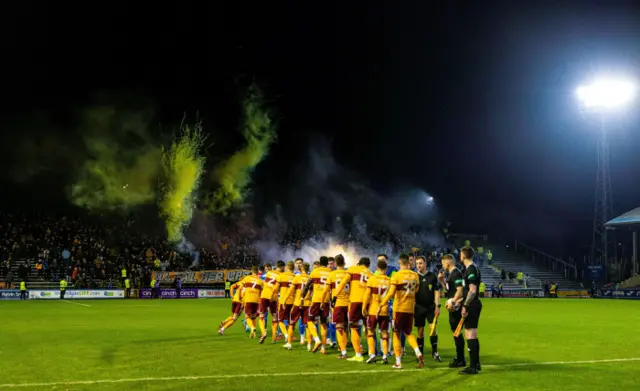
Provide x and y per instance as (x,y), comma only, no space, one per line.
(62,294)
(23,295)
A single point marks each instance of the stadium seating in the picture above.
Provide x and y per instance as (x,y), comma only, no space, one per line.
(506,258)
(632,282)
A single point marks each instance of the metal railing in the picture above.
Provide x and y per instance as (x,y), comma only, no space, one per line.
(569,271)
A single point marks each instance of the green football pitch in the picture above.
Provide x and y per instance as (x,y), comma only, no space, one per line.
(526,344)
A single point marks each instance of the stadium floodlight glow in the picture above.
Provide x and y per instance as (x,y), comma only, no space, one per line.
(606,93)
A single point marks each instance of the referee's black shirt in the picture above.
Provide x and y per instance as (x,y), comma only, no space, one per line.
(428,286)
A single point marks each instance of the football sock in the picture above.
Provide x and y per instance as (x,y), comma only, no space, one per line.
(283,329)
(385,346)
(434,344)
(323,332)
(459,342)
(311,329)
(371,341)
(474,352)
(414,344)
(397,348)
(355,341)
(290,333)
(342,340)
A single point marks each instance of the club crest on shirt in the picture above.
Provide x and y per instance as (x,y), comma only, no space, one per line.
(430,286)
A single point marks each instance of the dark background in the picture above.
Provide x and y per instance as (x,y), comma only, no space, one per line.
(473,103)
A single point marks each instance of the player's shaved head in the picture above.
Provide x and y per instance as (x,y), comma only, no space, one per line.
(254,270)
(448,261)
(316,263)
(291,265)
(364,261)
(306,267)
(403,260)
(324,261)
(467,253)
(340,260)
(280,264)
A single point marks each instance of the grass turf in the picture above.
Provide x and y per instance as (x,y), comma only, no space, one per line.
(173,345)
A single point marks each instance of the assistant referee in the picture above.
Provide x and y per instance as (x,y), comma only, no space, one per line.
(471,308)
(427,306)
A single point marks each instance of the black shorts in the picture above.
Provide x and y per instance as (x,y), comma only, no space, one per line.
(454,319)
(473,316)
(424,316)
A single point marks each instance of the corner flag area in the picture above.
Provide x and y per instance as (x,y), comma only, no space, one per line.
(560,344)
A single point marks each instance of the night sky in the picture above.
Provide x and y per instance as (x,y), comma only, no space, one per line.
(474,104)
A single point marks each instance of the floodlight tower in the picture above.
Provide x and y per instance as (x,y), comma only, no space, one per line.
(603,97)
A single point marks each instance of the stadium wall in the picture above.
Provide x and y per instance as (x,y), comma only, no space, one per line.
(83,294)
(534,292)
(632,294)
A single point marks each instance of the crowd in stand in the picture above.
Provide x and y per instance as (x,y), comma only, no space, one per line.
(90,251)
(88,254)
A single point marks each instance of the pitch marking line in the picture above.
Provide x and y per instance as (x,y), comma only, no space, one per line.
(73,302)
(255,375)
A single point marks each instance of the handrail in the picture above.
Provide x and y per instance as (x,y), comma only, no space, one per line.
(519,243)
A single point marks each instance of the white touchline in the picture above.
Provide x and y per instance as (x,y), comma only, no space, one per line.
(253,375)
(73,302)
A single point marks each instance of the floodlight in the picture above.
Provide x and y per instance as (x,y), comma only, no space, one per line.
(606,93)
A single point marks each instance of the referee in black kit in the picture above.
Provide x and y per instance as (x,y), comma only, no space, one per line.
(427,306)
(454,292)
(471,308)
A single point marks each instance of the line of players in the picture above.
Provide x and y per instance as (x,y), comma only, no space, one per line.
(357,295)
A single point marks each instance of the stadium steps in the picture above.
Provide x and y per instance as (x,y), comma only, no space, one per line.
(632,282)
(491,276)
(507,259)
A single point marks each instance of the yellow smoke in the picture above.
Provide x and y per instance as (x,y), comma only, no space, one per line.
(183,167)
(234,175)
(122,167)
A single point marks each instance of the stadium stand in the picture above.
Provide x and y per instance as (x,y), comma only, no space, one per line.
(510,259)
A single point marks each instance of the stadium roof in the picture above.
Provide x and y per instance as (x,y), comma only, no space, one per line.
(629,219)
